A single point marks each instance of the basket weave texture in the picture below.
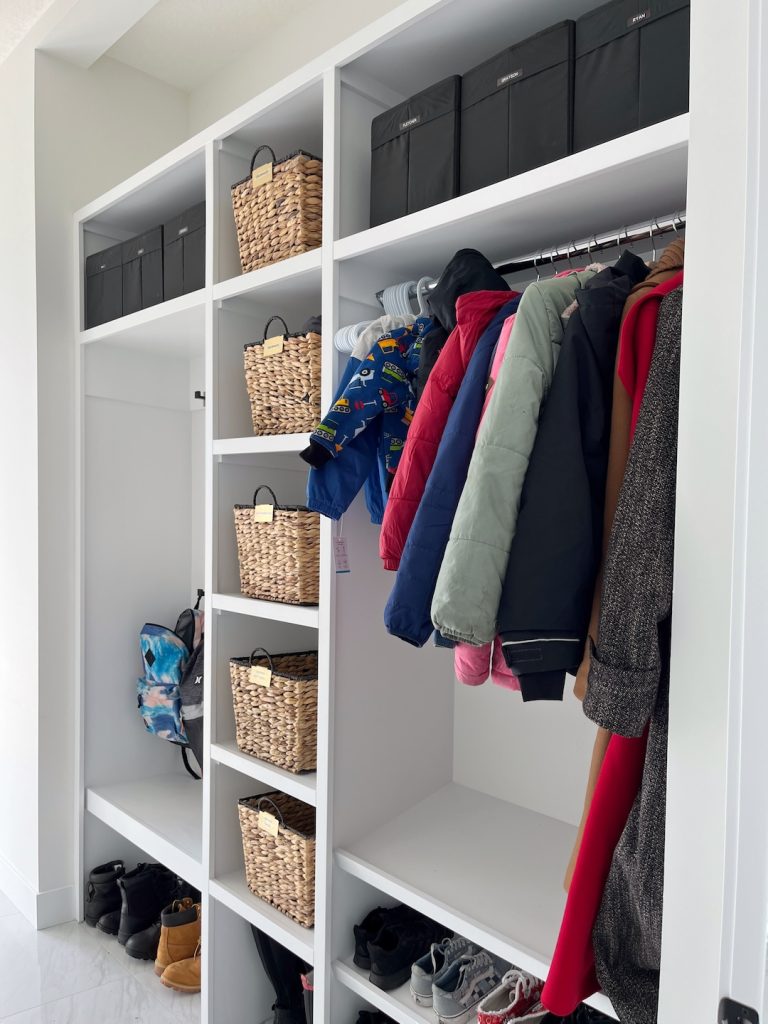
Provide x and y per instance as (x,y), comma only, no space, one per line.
(277,723)
(279,560)
(282,217)
(284,388)
(281,869)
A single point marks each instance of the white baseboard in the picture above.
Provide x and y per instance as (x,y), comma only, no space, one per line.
(56,906)
(41,909)
(19,891)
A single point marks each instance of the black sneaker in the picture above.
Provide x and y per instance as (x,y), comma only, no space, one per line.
(583,1014)
(103,893)
(399,946)
(372,924)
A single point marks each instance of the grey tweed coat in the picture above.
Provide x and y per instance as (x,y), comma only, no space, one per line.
(628,684)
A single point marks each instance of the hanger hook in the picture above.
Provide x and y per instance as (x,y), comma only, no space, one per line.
(535,267)
(675,219)
(653,240)
(552,254)
(568,253)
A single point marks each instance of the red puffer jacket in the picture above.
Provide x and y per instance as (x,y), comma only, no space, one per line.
(474,311)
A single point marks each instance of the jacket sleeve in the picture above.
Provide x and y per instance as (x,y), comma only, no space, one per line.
(380,383)
(332,488)
(637,586)
(469,585)
(419,454)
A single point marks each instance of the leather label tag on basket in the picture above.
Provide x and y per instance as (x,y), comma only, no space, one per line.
(263,513)
(274,346)
(268,823)
(261,175)
(260,675)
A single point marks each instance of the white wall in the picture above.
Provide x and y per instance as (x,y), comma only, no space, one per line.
(320,26)
(18,498)
(92,129)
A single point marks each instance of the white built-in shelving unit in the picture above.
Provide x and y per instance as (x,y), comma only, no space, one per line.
(461,803)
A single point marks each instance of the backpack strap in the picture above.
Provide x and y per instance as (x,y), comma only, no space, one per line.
(187,765)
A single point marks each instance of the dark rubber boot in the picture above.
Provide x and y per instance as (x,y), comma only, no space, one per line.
(103,894)
(145,891)
(143,945)
(110,922)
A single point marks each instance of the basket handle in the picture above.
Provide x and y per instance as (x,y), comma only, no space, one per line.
(271,152)
(263,487)
(279,815)
(285,325)
(267,655)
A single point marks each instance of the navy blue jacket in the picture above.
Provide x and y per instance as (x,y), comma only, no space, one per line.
(407,614)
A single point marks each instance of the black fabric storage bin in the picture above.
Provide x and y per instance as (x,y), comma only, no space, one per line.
(415,152)
(517,108)
(104,286)
(632,63)
(184,254)
(143,271)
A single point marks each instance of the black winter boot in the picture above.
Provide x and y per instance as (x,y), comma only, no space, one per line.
(110,922)
(103,893)
(143,945)
(145,891)
(284,970)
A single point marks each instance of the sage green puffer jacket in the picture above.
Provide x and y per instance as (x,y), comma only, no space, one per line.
(471,578)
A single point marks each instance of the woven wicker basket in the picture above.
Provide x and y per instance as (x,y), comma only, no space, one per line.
(282,215)
(280,868)
(277,721)
(280,558)
(284,382)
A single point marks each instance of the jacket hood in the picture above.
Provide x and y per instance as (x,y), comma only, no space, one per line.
(468,271)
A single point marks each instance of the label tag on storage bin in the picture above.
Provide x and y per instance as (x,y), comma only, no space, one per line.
(261,175)
(260,675)
(274,346)
(263,513)
(268,823)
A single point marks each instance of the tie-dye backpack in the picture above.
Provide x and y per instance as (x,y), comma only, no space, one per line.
(165,654)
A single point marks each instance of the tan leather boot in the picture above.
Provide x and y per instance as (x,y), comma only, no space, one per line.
(179,934)
(184,975)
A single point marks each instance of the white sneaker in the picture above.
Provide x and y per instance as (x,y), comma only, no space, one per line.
(518,998)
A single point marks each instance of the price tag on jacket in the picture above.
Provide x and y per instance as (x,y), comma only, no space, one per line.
(340,554)
(268,823)
(274,346)
(263,513)
(261,175)
(260,675)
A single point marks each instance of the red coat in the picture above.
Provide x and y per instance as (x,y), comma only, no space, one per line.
(474,311)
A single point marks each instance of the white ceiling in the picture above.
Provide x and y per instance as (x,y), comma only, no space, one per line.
(185,42)
(16,19)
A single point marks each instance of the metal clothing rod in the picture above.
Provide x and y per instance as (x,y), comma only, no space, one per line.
(644,232)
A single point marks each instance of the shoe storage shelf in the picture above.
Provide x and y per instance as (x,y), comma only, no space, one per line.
(459,802)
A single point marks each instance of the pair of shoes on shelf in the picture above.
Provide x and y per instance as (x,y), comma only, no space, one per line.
(390,940)
(461,981)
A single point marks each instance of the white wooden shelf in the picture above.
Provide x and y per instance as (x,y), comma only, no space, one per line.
(175,327)
(299,614)
(490,870)
(232,890)
(642,172)
(276,443)
(396,1004)
(294,278)
(161,815)
(303,787)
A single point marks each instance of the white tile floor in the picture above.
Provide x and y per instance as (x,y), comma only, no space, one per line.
(72,974)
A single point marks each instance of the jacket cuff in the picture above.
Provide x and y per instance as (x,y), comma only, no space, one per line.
(392,564)
(620,700)
(316,455)
(539,653)
(542,685)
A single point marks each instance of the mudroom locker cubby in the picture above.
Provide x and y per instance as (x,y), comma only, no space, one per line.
(462,803)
